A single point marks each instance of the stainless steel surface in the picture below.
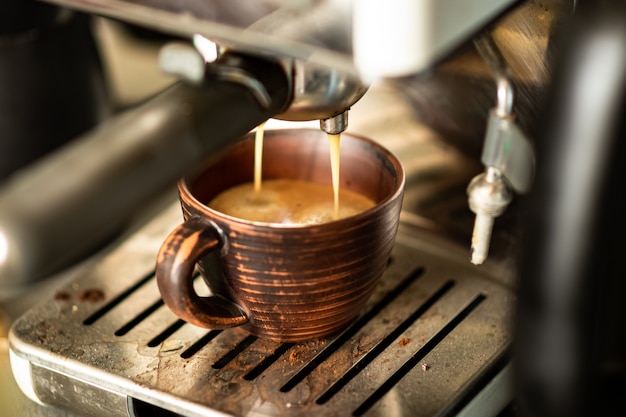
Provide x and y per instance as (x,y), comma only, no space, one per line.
(320,92)
(317,92)
(429,333)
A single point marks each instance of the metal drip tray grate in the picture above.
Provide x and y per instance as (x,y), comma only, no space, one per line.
(433,334)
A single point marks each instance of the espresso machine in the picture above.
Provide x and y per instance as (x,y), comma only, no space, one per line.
(501,296)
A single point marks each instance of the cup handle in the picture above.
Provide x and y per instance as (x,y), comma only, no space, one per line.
(176,261)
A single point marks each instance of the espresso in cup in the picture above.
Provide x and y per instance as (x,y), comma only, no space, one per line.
(288,202)
(276,277)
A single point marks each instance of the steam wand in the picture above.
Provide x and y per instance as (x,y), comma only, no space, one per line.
(507,154)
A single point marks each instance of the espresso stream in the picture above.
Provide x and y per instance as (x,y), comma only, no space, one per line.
(288,201)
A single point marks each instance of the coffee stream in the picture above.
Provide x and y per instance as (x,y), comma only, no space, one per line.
(258,156)
(334,142)
(334,167)
(290,201)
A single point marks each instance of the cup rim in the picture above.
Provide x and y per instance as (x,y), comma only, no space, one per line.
(395,161)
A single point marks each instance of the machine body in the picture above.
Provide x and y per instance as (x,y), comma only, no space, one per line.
(313,60)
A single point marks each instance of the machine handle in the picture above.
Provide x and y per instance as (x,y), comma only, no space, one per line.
(69,204)
(180,252)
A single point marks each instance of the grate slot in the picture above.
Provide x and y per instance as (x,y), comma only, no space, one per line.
(147,312)
(233,353)
(268,361)
(383,344)
(170,330)
(198,345)
(139,318)
(351,330)
(102,311)
(418,356)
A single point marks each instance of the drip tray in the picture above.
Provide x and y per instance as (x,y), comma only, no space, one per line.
(430,342)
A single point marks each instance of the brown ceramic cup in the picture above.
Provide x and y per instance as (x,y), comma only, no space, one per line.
(282,282)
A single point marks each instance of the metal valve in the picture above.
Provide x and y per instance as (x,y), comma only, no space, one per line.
(489,196)
(507,154)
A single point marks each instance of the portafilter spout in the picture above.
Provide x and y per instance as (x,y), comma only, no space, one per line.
(69,203)
(318,92)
